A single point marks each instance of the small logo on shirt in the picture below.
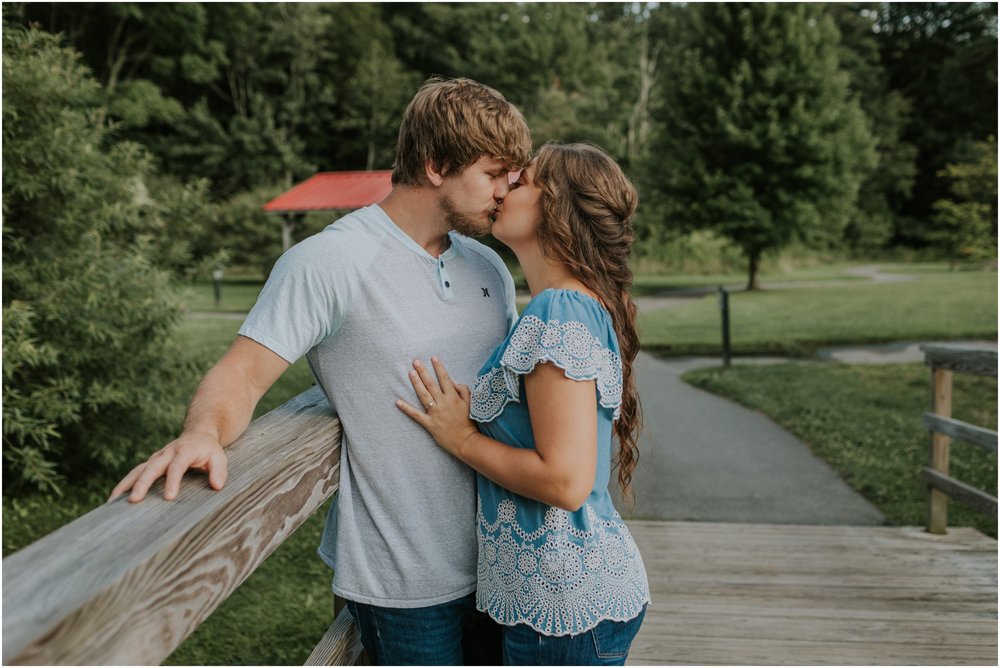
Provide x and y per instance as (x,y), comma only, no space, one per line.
(486,292)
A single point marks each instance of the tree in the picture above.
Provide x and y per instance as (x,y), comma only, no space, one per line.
(759,136)
(143,55)
(966,223)
(942,57)
(89,372)
(889,185)
(572,68)
(375,97)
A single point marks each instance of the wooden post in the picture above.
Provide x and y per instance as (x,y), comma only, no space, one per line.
(937,510)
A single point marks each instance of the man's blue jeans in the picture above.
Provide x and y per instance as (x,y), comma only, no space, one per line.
(606,644)
(448,634)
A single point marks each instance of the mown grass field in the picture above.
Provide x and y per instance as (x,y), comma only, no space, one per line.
(797,321)
(239,292)
(235,295)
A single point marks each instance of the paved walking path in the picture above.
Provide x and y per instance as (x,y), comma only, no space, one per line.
(706,458)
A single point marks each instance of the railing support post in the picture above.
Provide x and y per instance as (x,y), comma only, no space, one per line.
(937,507)
(724,307)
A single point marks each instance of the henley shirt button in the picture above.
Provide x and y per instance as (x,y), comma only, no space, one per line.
(442,265)
(447,284)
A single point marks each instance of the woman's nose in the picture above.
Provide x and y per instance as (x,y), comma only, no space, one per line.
(501,188)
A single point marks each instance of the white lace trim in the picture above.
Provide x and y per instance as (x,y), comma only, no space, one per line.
(569,345)
(558,579)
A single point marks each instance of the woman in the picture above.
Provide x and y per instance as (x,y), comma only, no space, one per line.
(557,566)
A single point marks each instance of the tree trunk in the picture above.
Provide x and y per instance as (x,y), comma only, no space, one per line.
(753,282)
(637,134)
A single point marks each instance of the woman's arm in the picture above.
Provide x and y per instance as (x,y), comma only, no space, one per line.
(559,472)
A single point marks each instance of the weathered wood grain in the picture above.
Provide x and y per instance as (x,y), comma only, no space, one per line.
(341,644)
(960,491)
(757,594)
(944,360)
(940,453)
(964,358)
(981,437)
(125,584)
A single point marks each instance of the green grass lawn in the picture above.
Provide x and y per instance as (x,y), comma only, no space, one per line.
(797,321)
(866,422)
(237,295)
(209,338)
(649,284)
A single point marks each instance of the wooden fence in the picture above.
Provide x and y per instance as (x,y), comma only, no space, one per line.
(126,584)
(945,360)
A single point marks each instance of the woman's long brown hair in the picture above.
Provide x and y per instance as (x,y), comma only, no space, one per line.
(587,204)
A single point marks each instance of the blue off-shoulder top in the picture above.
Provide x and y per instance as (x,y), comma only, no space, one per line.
(560,572)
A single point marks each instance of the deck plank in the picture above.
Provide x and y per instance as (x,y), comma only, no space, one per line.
(757,594)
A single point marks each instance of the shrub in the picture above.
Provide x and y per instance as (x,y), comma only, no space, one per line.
(89,373)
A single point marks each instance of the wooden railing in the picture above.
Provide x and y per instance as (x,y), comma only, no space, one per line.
(944,360)
(126,584)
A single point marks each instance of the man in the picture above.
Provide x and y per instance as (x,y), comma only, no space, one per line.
(379,288)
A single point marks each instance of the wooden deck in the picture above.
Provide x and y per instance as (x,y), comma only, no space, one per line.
(754,594)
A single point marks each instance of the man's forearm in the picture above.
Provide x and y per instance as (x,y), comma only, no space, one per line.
(223,404)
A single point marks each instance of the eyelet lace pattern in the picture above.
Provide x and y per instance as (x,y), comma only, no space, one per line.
(559,579)
(569,345)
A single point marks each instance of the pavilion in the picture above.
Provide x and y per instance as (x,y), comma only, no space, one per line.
(329,191)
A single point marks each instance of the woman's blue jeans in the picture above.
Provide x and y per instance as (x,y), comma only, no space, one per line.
(606,644)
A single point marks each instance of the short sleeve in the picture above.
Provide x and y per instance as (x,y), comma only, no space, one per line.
(562,327)
(309,292)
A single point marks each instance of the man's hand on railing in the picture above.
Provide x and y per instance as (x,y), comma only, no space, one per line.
(189,451)
(219,413)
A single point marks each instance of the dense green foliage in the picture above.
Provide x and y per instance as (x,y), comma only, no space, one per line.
(831,122)
(967,221)
(942,58)
(760,137)
(89,371)
(29,515)
(866,422)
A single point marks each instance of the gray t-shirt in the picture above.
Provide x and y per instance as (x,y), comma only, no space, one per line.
(362,300)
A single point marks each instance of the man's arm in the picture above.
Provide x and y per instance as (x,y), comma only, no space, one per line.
(219,413)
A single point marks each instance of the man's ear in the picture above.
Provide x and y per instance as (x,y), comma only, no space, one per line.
(433,173)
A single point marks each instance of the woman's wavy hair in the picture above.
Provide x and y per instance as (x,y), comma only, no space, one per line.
(587,204)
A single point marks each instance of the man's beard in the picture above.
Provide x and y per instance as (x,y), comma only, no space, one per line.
(460,222)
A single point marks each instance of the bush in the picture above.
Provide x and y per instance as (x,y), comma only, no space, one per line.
(967,223)
(249,236)
(87,304)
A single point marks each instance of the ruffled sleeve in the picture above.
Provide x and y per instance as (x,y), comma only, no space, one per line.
(564,327)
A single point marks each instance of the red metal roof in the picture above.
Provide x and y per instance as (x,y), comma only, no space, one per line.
(334,190)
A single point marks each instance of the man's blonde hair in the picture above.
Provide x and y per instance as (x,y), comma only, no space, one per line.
(453,123)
